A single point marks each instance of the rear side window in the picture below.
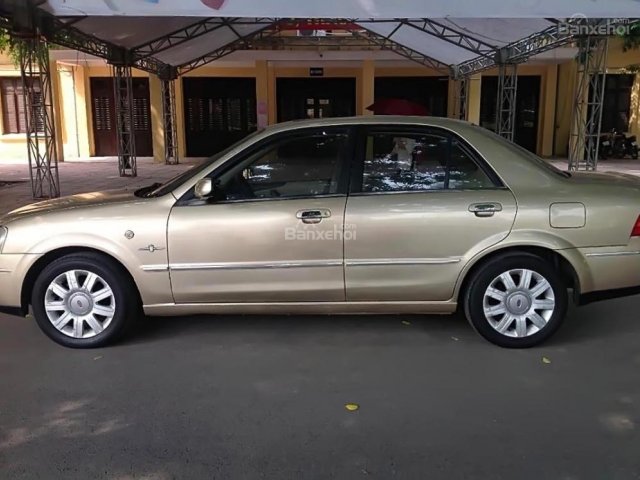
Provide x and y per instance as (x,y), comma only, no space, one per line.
(397,161)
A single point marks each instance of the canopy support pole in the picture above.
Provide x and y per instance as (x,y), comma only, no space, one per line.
(169,117)
(35,73)
(462,98)
(125,128)
(588,103)
(506,100)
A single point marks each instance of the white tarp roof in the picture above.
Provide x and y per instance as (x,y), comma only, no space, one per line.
(351,8)
(494,23)
(496,32)
(131,32)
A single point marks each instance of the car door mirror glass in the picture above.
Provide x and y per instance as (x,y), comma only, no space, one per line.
(203,188)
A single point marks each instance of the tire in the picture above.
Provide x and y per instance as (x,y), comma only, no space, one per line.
(529,326)
(92,312)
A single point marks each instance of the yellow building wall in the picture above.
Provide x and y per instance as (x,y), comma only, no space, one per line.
(73,109)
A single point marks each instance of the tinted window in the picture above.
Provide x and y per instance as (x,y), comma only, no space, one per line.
(299,166)
(399,162)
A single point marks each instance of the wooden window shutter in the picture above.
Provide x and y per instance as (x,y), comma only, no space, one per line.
(9,107)
(141,120)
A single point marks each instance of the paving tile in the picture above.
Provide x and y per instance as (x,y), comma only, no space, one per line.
(80,177)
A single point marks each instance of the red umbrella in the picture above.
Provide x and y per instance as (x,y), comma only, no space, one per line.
(397,106)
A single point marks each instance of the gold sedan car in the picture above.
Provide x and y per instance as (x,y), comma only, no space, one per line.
(354,215)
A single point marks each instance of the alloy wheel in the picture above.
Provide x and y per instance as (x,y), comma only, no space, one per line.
(80,304)
(519,303)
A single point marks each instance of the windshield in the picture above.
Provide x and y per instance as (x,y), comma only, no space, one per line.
(178,180)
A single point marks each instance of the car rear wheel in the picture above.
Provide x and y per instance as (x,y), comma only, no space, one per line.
(516,301)
(83,300)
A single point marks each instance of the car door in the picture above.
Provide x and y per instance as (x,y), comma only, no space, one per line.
(422,203)
(271,229)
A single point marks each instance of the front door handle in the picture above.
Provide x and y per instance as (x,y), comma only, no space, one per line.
(313,216)
(487,209)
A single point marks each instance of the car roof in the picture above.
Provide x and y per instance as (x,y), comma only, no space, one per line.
(371,120)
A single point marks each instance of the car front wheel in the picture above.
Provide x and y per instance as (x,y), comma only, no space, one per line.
(83,300)
(516,301)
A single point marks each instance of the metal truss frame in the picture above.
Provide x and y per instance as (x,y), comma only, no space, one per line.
(462,98)
(241,42)
(506,100)
(168,87)
(271,31)
(193,31)
(521,50)
(444,32)
(39,115)
(588,103)
(62,31)
(125,128)
(324,43)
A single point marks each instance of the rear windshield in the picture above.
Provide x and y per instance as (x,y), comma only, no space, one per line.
(514,147)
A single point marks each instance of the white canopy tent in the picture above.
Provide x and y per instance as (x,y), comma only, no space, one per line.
(169,38)
(349,8)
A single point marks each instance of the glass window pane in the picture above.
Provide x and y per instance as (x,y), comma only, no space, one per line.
(294,167)
(404,162)
(398,162)
(464,173)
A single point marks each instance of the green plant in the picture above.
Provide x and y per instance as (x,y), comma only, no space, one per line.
(11,46)
(631,39)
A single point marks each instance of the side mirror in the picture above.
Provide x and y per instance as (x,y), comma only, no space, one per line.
(203,188)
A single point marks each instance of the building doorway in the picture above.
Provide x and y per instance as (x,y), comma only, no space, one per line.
(616,107)
(104,117)
(430,92)
(300,98)
(527,109)
(218,112)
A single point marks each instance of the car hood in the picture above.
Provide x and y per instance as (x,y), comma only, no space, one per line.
(80,200)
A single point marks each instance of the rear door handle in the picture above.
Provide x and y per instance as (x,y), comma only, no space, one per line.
(313,216)
(487,209)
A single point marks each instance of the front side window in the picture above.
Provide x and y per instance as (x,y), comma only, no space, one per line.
(302,165)
(407,162)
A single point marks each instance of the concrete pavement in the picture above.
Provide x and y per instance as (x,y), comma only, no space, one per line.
(80,177)
(263,397)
